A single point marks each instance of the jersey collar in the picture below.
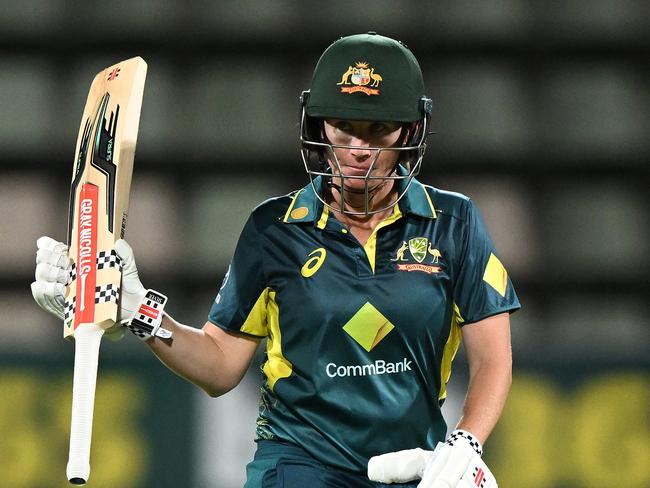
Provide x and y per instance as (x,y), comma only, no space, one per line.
(417,201)
(306,207)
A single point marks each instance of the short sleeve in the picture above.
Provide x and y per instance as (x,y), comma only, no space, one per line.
(240,305)
(483,287)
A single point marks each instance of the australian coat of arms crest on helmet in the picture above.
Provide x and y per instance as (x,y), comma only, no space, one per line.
(357,78)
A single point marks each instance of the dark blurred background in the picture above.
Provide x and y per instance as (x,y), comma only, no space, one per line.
(542,113)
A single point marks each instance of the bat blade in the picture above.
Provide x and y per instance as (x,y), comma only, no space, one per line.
(99,200)
(99,193)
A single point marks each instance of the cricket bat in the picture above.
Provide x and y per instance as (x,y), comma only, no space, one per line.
(99,200)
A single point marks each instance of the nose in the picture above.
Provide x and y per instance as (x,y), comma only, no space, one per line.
(360,147)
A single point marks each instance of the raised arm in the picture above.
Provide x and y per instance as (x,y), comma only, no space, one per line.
(211,358)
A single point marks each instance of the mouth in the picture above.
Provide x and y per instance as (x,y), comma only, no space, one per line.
(354,170)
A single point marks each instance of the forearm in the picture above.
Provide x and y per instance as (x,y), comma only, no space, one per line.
(486,396)
(193,355)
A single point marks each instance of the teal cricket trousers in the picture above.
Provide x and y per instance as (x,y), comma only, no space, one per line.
(283,465)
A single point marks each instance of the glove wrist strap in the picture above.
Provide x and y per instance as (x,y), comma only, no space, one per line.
(460,435)
(147,321)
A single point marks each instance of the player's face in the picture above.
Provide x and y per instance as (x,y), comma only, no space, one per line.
(357,161)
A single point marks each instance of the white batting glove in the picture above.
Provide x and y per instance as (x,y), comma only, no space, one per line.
(456,463)
(132,291)
(52,274)
(141,310)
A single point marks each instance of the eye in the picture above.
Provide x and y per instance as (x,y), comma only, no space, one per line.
(382,128)
(343,126)
(378,128)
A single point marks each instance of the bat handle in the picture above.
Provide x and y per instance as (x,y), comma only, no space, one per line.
(87,340)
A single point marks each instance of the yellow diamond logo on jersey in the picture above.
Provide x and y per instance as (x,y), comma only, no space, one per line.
(496,275)
(368,327)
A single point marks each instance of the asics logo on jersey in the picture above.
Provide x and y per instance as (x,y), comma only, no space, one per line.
(313,264)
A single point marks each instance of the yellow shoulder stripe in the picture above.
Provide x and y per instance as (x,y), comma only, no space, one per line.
(450,350)
(293,202)
(433,210)
(256,322)
(276,366)
(264,321)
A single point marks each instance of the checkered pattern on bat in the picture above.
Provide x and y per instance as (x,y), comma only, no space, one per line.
(108,259)
(68,310)
(105,259)
(103,293)
(106,293)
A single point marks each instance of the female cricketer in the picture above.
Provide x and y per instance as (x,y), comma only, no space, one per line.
(363,284)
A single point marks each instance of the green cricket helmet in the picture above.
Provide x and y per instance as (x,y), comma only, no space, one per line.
(364,77)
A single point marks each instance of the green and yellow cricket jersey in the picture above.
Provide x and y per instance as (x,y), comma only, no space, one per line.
(360,338)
